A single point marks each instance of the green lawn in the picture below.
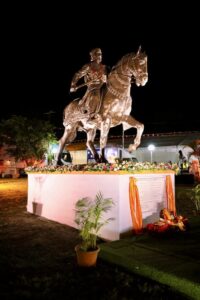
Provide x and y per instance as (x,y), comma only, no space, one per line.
(169,258)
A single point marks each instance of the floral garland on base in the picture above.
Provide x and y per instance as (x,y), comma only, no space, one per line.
(103,168)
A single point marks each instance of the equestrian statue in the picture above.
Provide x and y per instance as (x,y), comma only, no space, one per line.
(107,102)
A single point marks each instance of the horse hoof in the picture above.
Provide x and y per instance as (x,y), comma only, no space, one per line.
(103,160)
(59,163)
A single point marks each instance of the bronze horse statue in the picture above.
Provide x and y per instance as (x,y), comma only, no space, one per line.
(115,107)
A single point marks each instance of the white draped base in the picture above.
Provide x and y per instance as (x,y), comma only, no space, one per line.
(53,196)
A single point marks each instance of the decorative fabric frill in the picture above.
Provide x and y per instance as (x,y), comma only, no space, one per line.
(170,195)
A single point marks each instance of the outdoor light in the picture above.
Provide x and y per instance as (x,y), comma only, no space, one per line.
(53,148)
(151,148)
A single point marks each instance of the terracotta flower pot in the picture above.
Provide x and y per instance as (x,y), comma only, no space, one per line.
(86,258)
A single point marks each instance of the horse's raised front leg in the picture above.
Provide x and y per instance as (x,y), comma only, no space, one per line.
(91,133)
(67,138)
(105,127)
(128,122)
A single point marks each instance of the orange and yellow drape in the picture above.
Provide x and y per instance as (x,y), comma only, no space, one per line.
(135,207)
(170,195)
(134,201)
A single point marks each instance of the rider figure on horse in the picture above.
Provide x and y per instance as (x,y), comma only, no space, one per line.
(95,75)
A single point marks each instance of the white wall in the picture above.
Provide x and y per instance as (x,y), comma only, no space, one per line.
(53,196)
(160,154)
(79,157)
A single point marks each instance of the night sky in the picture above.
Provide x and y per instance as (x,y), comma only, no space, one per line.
(42,49)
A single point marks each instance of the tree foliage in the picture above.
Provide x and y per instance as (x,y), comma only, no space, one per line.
(26,138)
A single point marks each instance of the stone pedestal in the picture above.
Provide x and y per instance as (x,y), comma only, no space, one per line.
(53,196)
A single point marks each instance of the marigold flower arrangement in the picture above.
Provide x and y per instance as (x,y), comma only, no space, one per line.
(125,166)
(168,221)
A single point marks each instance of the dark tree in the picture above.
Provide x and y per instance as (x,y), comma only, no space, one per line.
(25,138)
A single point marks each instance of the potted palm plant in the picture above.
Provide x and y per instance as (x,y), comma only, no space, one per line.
(89,219)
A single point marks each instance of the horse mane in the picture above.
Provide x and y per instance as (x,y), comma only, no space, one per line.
(122,61)
(125,59)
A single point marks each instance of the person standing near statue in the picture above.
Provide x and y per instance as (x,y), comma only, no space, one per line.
(182,162)
(195,165)
(95,75)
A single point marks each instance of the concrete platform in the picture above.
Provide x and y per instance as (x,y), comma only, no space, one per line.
(53,196)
